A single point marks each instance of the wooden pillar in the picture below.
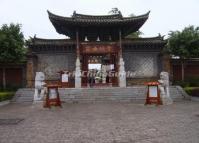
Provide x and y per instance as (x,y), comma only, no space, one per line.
(166,63)
(120,43)
(77,44)
(30,70)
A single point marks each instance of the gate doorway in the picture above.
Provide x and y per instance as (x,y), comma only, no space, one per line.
(99,67)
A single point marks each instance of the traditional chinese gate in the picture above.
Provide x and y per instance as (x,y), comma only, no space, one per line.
(93,53)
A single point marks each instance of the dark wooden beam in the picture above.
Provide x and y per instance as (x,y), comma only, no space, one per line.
(120,43)
(77,43)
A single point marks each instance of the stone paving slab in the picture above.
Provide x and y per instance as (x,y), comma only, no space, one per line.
(102,123)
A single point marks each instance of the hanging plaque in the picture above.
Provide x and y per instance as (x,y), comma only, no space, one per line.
(64,77)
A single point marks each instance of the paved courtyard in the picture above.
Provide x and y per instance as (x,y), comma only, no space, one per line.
(101,123)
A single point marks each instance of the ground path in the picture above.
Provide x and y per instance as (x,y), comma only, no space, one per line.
(102,123)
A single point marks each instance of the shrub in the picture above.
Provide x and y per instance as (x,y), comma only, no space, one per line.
(6,95)
(189,82)
(193,91)
(193,81)
(182,83)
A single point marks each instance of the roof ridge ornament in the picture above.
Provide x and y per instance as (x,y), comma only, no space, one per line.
(120,14)
(74,14)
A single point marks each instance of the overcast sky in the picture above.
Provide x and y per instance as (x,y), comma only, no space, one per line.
(166,15)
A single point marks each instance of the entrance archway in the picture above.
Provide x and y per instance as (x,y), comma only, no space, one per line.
(99,65)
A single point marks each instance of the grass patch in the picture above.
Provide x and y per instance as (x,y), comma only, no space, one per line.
(6,95)
(193,91)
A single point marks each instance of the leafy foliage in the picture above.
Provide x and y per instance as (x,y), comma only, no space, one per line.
(136,34)
(11,43)
(185,43)
(193,91)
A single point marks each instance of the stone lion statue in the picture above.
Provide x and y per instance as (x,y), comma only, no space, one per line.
(164,83)
(39,86)
(164,87)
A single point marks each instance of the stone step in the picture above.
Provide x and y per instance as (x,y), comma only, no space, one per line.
(130,94)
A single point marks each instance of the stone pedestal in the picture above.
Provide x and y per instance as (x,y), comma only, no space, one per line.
(77,74)
(167,101)
(121,74)
(39,94)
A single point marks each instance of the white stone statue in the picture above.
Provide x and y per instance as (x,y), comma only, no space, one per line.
(78,74)
(122,74)
(164,88)
(39,86)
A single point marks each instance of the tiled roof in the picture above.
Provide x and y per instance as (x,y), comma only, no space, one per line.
(77,19)
(93,23)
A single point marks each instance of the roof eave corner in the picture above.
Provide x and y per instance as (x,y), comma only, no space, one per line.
(49,13)
(147,14)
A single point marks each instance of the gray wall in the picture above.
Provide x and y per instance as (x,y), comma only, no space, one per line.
(51,63)
(142,64)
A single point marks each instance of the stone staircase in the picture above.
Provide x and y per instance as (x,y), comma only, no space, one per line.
(135,94)
(24,95)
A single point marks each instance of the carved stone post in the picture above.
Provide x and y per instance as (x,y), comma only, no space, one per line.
(77,64)
(122,72)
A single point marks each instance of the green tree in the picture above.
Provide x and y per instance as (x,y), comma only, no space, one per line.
(184,44)
(136,34)
(11,43)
